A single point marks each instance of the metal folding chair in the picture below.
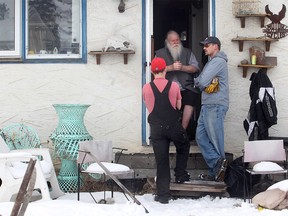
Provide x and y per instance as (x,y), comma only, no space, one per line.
(93,155)
(263,151)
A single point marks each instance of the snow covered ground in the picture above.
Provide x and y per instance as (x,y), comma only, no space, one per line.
(68,205)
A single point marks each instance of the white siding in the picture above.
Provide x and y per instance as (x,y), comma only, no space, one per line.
(228,27)
(114,89)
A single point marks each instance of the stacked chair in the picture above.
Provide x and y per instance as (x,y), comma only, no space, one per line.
(13,165)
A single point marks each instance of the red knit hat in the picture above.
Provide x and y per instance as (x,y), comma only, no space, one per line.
(158,65)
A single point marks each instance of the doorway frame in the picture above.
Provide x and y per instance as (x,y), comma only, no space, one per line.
(147,31)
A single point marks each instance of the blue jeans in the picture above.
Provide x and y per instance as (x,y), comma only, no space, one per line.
(210,134)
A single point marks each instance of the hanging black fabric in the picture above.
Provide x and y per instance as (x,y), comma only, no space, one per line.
(263,111)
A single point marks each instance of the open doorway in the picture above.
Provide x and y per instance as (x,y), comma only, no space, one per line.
(187,17)
(190,19)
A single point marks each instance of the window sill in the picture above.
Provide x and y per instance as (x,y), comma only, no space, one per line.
(10,60)
(42,61)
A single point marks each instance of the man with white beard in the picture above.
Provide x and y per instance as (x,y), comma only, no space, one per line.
(181,65)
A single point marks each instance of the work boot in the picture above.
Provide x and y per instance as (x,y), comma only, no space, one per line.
(206,177)
(161,199)
(181,179)
(221,167)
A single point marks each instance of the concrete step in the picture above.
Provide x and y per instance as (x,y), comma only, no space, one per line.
(145,166)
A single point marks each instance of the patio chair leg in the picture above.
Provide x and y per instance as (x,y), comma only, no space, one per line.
(251,189)
(78,183)
(134,183)
(112,189)
(244,183)
(105,187)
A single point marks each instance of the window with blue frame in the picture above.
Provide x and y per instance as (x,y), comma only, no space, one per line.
(9,28)
(41,29)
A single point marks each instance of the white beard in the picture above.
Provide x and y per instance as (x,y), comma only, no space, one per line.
(175,51)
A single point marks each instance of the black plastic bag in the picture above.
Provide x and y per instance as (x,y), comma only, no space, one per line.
(234,178)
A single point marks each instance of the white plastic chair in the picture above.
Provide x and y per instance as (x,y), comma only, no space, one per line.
(12,170)
(102,151)
(263,153)
(13,165)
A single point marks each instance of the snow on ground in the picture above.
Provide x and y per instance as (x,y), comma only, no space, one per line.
(120,206)
(68,205)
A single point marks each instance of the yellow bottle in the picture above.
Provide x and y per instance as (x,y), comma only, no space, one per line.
(253,59)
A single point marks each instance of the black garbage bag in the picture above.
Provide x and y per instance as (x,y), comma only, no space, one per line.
(234,178)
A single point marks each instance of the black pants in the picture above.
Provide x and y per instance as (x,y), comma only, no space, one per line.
(161,136)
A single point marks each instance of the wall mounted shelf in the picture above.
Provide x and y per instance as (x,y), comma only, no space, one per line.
(99,53)
(269,61)
(242,18)
(246,66)
(241,41)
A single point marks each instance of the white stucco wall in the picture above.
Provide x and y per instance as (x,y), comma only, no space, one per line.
(228,27)
(113,89)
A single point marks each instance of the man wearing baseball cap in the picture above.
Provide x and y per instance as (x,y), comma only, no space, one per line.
(212,40)
(213,82)
(163,101)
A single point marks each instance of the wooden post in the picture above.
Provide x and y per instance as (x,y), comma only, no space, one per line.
(25,194)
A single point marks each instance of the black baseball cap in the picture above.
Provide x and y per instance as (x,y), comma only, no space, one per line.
(213,40)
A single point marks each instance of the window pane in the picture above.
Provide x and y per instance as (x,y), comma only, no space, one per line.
(54,27)
(7,25)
